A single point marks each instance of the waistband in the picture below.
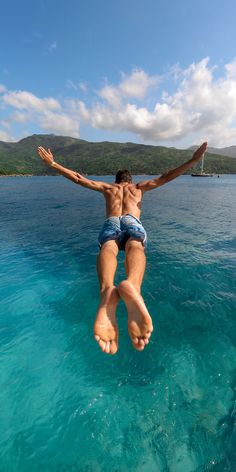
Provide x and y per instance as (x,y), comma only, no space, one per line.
(115,218)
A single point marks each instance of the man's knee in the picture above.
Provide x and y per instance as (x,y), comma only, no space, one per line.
(134,244)
(109,248)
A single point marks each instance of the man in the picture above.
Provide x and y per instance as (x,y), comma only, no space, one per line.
(122,230)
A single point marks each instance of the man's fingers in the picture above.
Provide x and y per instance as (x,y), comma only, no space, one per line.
(201,148)
(42,152)
(40,148)
(41,155)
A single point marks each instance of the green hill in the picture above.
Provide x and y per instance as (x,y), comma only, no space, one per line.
(99,158)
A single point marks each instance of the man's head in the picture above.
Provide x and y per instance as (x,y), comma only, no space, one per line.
(123,176)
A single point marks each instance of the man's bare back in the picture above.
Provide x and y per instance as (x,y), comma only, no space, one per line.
(122,199)
(123,203)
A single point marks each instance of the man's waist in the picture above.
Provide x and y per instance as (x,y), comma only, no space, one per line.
(120,215)
(123,216)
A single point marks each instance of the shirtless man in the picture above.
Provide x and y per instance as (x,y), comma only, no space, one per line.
(122,230)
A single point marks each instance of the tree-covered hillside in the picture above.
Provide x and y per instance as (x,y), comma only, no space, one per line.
(99,158)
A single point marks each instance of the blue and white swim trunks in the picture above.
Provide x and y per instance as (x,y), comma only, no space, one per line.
(120,229)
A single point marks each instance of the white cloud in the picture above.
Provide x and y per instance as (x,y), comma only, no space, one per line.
(2,88)
(45,113)
(231,69)
(77,109)
(60,123)
(83,111)
(80,86)
(27,101)
(137,84)
(83,86)
(20,117)
(4,136)
(112,95)
(5,124)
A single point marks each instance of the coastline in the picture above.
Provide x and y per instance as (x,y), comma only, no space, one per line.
(16,175)
(94,175)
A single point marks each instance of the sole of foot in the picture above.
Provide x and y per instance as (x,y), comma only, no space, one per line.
(139,321)
(105,326)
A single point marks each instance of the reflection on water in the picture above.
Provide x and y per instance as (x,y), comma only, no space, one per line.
(67,406)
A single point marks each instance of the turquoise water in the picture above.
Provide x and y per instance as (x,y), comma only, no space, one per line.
(66,406)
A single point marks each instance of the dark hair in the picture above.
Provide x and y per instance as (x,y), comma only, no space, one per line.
(123,176)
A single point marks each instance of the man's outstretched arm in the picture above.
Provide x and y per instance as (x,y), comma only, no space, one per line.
(77,178)
(146,185)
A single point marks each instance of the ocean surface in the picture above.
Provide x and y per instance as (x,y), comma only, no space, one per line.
(66,406)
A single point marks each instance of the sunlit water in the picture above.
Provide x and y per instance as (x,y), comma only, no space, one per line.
(66,406)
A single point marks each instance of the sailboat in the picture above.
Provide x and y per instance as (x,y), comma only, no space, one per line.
(202,173)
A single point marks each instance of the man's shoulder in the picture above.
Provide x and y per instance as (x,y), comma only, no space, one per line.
(109,187)
(135,187)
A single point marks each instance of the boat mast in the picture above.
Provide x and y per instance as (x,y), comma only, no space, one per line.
(202,165)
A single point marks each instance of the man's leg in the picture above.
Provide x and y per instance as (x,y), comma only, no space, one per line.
(139,321)
(105,326)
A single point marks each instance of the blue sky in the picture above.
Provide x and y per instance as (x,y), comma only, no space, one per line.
(160,72)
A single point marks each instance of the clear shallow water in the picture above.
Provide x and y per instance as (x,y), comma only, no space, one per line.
(66,406)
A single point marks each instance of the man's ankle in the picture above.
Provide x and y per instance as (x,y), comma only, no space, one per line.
(135,285)
(104,289)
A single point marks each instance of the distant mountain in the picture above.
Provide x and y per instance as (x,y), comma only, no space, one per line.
(226,151)
(99,158)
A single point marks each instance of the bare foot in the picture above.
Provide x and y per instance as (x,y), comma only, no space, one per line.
(105,326)
(139,321)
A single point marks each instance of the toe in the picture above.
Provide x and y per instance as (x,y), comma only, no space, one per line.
(142,343)
(102,344)
(139,345)
(107,347)
(96,337)
(135,340)
(146,340)
(113,347)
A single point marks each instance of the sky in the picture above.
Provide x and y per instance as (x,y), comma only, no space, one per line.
(145,71)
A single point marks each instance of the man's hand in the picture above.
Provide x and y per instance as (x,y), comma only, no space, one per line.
(199,152)
(46,156)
